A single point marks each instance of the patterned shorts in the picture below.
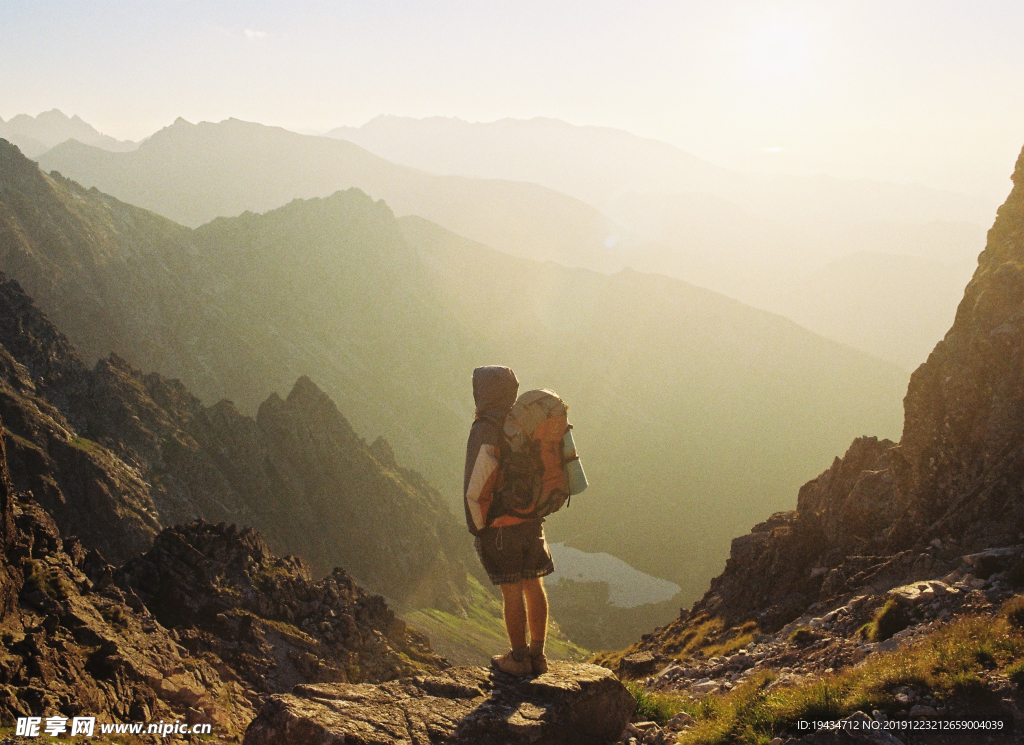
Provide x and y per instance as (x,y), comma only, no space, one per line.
(514,553)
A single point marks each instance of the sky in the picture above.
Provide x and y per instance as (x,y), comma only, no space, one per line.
(908,90)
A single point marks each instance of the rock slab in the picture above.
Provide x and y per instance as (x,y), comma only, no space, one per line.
(570,704)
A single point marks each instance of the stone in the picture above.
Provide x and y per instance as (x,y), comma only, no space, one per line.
(571,704)
(639,664)
(680,720)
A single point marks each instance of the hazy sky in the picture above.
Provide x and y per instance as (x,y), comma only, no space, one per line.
(923,90)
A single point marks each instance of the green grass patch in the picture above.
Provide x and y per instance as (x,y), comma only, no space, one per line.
(706,635)
(947,662)
(472,640)
(654,707)
(86,445)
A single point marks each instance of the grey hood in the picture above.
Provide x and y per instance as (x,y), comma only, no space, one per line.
(494,390)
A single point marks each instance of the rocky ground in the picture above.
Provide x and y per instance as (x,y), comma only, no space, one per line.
(840,636)
(571,704)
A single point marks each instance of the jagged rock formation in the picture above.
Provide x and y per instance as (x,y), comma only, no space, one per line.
(74,643)
(572,704)
(226,595)
(115,455)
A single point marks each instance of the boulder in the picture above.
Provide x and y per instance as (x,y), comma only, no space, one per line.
(571,703)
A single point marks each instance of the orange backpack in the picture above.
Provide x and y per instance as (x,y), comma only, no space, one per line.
(533,481)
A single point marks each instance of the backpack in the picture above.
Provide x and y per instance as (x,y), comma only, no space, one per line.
(533,479)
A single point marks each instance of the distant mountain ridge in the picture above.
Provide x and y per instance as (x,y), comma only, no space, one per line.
(591,197)
(36,135)
(193,173)
(779,243)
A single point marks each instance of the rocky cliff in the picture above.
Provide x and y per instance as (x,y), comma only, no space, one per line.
(74,643)
(225,594)
(202,628)
(953,485)
(913,548)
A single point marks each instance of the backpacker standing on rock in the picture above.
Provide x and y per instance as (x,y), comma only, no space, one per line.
(521,465)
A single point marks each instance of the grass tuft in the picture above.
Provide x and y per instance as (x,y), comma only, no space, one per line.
(802,636)
(1013,610)
(889,620)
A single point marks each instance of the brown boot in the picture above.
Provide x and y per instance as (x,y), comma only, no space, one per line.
(508,663)
(539,663)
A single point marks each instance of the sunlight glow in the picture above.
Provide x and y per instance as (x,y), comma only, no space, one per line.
(779,52)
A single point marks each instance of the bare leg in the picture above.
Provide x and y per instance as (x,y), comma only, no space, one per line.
(515,613)
(537,613)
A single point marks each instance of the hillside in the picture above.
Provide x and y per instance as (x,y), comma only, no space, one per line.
(116,455)
(696,414)
(910,548)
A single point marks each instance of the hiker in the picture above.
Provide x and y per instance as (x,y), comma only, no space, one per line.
(512,549)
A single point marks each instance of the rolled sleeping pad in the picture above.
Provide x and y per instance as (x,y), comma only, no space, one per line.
(577,479)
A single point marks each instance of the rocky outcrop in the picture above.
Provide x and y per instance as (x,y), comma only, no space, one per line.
(74,643)
(225,594)
(571,704)
(201,628)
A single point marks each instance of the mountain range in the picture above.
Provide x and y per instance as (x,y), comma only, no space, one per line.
(591,197)
(193,173)
(115,456)
(696,414)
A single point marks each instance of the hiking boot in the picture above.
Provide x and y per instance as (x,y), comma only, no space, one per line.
(539,663)
(507,663)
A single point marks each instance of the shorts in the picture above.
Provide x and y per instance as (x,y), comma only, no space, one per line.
(513,553)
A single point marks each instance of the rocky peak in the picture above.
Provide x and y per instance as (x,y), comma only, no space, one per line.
(382,451)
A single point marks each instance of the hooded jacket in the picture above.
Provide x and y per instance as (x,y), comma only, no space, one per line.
(494,391)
